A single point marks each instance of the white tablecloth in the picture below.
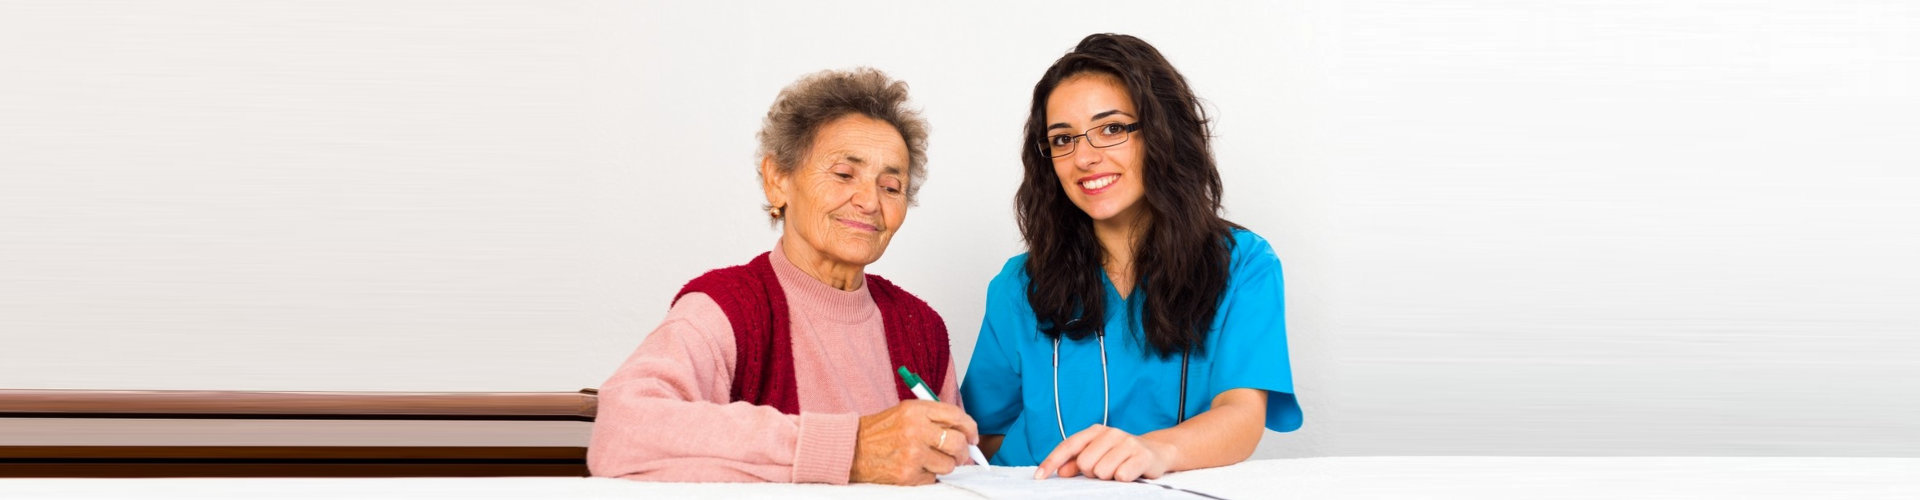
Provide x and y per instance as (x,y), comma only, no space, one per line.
(1310,478)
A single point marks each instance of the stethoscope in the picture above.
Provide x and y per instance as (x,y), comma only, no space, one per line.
(1106,404)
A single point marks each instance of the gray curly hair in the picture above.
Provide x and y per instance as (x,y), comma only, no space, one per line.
(820,98)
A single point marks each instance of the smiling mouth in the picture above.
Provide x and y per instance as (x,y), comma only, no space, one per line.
(860,225)
(1098,183)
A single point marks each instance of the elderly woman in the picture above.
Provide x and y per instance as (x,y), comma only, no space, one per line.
(783,369)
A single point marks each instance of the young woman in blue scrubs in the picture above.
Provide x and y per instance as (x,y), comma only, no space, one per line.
(1141,333)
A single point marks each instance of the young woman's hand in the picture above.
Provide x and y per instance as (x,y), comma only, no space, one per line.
(1108,453)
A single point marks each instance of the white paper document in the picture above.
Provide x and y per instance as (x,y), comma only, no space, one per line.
(1018,483)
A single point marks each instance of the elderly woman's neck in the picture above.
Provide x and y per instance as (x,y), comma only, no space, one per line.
(837,274)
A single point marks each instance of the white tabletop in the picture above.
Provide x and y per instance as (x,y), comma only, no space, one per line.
(1315,478)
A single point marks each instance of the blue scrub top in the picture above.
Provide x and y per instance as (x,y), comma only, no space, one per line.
(1009,384)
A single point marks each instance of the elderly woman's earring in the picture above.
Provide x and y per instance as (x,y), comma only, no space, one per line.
(774,212)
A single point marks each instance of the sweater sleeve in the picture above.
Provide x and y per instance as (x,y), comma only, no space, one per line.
(665,415)
(950,390)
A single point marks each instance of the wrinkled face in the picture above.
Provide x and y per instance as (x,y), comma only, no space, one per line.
(848,195)
(1104,182)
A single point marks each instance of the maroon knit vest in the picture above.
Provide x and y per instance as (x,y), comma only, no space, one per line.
(763,340)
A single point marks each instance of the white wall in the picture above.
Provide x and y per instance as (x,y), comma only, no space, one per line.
(1534,228)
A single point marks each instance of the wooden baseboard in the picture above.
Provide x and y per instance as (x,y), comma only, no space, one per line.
(284,469)
(239,434)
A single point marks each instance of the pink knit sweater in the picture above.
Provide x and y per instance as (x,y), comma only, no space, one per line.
(665,416)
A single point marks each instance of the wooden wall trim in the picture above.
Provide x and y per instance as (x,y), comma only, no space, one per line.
(224,404)
(286,469)
(451,454)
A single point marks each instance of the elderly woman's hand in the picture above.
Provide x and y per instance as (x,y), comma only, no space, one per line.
(912,442)
(1108,453)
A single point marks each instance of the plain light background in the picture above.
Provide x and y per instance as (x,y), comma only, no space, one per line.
(1511,228)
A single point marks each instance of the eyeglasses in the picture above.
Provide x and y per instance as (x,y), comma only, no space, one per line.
(1104,136)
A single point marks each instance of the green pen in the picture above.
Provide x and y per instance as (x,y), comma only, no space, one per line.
(920,390)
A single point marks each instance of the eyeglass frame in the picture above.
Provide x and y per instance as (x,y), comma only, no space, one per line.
(1127,130)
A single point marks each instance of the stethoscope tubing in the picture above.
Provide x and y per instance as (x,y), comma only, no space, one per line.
(1106,403)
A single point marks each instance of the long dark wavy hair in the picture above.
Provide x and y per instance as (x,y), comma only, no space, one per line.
(1181,261)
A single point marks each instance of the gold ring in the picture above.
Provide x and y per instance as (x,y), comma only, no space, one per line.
(943,439)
